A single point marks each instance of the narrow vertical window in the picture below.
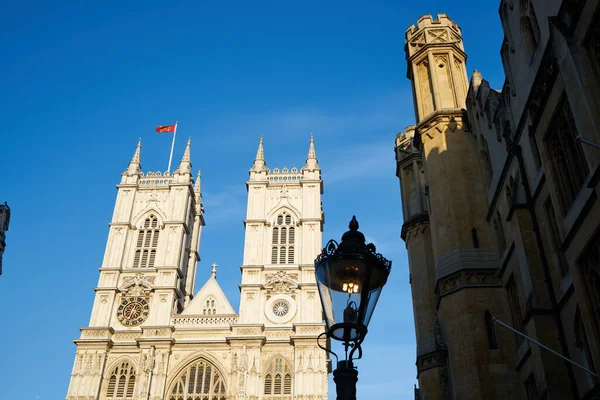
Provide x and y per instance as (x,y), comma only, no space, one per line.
(275,242)
(475,238)
(491,332)
(555,238)
(568,163)
(283,236)
(287,384)
(147,243)
(268,384)
(112,383)
(529,26)
(515,309)
(130,386)
(277,385)
(499,232)
(282,255)
(487,162)
(537,159)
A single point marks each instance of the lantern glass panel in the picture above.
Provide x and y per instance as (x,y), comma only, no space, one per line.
(349,286)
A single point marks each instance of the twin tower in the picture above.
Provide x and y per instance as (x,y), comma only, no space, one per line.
(451,248)
(151,336)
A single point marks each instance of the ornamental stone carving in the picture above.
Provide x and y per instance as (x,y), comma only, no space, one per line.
(281,282)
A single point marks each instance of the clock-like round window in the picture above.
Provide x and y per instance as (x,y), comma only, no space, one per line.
(281,308)
(133,311)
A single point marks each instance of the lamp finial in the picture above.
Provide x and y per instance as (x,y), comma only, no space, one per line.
(353,224)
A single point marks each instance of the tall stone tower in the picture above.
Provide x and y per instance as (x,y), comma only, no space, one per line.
(149,336)
(147,276)
(452,254)
(279,298)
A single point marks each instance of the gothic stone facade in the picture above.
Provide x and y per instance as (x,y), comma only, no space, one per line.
(501,209)
(150,337)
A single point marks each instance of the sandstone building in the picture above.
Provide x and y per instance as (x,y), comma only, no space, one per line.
(151,336)
(501,208)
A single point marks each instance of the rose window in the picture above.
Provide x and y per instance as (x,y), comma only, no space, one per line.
(280,308)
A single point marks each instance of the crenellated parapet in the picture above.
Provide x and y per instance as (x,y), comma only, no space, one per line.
(436,65)
(432,32)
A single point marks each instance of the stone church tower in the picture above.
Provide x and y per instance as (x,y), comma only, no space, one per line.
(452,255)
(150,336)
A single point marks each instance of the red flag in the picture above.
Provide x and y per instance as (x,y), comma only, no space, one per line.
(166,128)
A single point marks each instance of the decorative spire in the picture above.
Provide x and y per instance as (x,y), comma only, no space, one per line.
(311,160)
(197,189)
(260,154)
(134,164)
(185,166)
(214,270)
(259,161)
(311,148)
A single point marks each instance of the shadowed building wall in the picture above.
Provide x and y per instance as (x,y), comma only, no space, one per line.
(500,206)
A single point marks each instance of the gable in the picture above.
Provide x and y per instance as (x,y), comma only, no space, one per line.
(217,305)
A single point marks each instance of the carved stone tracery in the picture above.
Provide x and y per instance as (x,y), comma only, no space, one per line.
(281,282)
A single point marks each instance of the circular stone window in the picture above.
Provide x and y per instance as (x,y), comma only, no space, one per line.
(281,308)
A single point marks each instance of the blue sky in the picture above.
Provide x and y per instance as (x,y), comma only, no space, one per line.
(81,81)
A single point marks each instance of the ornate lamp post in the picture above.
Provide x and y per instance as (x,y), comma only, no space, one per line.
(350,277)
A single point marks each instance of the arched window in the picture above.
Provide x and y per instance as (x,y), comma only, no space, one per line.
(210,306)
(147,242)
(499,232)
(529,26)
(121,383)
(198,381)
(569,166)
(278,379)
(487,162)
(514,305)
(475,238)
(284,236)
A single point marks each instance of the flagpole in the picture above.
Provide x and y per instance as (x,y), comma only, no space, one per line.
(172,147)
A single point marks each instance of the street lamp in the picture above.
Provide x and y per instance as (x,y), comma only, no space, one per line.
(350,277)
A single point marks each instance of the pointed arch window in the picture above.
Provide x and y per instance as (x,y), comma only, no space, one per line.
(567,158)
(514,305)
(210,306)
(198,381)
(529,26)
(283,240)
(499,232)
(278,380)
(147,243)
(121,384)
(488,169)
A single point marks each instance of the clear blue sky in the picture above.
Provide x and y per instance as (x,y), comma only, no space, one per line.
(81,81)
